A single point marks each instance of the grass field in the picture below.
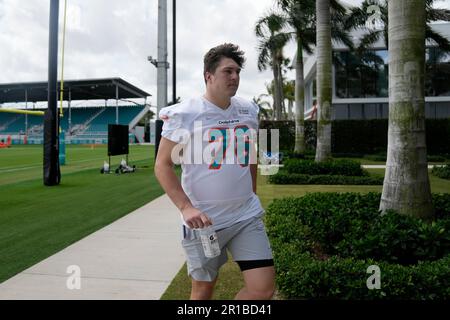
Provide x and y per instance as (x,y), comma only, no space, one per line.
(37,221)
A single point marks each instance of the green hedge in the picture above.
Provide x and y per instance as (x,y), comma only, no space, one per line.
(323,244)
(333,172)
(441,172)
(361,136)
(333,167)
(441,205)
(295,178)
(286,133)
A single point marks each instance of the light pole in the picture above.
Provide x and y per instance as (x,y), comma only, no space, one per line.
(162,65)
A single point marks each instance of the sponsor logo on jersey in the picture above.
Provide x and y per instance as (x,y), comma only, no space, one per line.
(243,111)
(228,121)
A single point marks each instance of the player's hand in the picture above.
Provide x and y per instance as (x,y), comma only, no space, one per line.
(195,219)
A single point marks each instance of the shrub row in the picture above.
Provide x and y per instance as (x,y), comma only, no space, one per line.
(294,178)
(323,244)
(442,171)
(333,167)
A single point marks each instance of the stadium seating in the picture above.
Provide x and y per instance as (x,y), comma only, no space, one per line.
(88,124)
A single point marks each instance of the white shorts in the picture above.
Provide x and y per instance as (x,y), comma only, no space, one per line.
(246,240)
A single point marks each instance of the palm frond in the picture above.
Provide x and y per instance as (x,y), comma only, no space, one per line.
(341,36)
(263,57)
(337,8)
(442,42)
(369,39)
(437,14)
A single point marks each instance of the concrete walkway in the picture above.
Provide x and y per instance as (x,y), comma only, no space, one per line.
(136,257)
(376,166)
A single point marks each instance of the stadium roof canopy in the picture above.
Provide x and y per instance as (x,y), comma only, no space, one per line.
(90,89)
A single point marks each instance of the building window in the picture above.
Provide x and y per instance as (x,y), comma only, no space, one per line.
(365,75)
(361,75)
(437,73)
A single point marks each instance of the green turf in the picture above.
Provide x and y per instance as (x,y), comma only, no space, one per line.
(37,221)
(20,163)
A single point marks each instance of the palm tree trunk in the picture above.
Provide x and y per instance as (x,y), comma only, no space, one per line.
(299,101)
(290,115)
(276,89)
(406,187)
(324,91)
(280,90)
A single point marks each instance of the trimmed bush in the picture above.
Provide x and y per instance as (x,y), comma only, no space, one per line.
(333,167)
(286,129)
(398,239)
(309,154)
(294,178)
(323,244)
(348,155)
(333,172)
(442,172)
(441,203)
(377,157)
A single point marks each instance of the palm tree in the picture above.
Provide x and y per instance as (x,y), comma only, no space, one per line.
(406,187)
(288,89)
(289,94)
(300,15)
(360,15)
(260,102)
(270,49)
(324,90)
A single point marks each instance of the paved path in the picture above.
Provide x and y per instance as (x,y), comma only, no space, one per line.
(376,166)
(136,257)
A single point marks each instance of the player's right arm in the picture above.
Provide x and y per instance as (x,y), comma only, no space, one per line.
(166,176)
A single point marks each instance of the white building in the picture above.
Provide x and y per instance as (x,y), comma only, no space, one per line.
(360,85)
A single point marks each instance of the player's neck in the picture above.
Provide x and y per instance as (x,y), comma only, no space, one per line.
(222,102)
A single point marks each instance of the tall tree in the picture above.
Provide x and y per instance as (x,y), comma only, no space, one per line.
(406,187)
(270,48)
(289,94)
(300,16)
(324,89)
(260,102)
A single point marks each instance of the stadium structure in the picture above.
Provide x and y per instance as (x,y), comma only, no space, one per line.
(87,124)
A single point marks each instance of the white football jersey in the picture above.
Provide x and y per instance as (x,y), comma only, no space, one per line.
(216,153)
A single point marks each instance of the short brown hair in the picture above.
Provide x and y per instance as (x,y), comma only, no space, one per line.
(228,50)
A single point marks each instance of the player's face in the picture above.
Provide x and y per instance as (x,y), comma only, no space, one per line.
(225,80)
